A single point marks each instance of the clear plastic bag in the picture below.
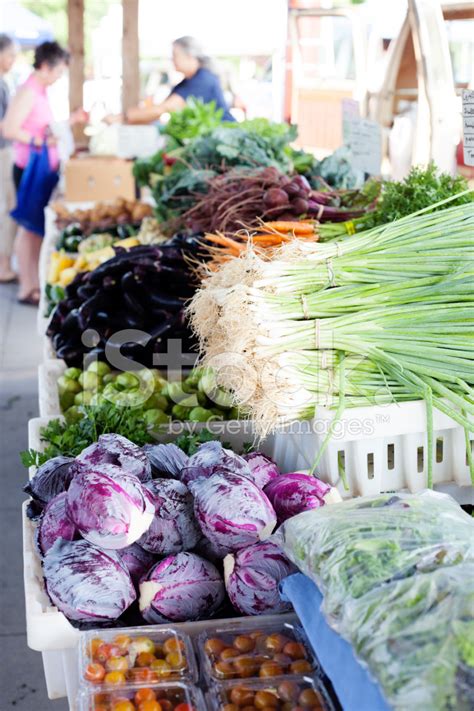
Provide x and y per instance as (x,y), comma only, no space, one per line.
(397,575)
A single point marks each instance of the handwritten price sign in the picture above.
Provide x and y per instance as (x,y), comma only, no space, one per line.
(468,126)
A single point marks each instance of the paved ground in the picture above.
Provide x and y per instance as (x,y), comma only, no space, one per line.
(22,684)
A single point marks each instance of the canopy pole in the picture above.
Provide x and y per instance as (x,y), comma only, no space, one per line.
(130,55)
(75,16)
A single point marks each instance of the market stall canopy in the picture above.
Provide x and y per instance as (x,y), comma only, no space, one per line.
(24,26)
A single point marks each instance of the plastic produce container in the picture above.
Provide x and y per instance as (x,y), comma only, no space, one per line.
(381,449)
(140,654)
(266,651)
(297,692)
(180,697)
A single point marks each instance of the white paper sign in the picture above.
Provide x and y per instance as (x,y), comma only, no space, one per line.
(365,143)
(468,126)
(350,110)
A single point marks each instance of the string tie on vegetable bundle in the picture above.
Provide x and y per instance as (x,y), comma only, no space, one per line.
(304,303)
(331,275)
(320,212)
(317,333)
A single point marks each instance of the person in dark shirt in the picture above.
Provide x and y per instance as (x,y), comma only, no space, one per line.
(200,82)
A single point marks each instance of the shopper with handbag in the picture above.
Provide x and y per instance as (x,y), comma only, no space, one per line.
(7,194)
(36,161)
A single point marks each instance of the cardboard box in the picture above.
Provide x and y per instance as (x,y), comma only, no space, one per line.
(99,178)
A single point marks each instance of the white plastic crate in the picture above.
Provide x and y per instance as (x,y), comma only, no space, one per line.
(380,448)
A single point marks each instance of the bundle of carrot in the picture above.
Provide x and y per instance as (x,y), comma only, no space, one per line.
(268,236)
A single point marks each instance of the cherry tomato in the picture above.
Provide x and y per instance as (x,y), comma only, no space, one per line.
(173,644)
(224,670)
(150,706)
(94,672)
(295,650)
(176,660)
(242,696)
(309,698)
(103,652)
(228,653)
(117,664)
(122,641)
(184,707)
(123,705)
(161,668)
(265,699)
(94,645)
(115,677)
(301,666)
(144,695)
(214,646)
(143,644)
(145,659)
(244,643)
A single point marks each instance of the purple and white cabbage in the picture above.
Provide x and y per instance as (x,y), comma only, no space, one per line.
(252,577)
(179,588)
(87,583)
(232,511)
(118,450)
(174,527)
(166,458)
(137,561)
(291,494)
(262,468)
(54,523)
(211,457)
(51,478)
(109,507)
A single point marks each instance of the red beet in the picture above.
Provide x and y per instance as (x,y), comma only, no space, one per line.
(274,197)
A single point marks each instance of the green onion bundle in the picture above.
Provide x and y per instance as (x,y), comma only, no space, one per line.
(385,316)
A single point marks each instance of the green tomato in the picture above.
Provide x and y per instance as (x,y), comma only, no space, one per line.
(108,378)
(99,368)
(160,382)
(66,400)
(156,417)
(126,381)
(175,392)
(72,373)
(180,413)
(200,414)
(156,401)
(91,381)
(83,398)
(73,414)
(193,378)
(202,399)
(68,385)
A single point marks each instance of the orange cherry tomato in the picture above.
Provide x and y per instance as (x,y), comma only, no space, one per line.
(145,695)
(145,659)
(94,645)
(117,678)
(150,706)
(103,652)
(117,664)
(94,672)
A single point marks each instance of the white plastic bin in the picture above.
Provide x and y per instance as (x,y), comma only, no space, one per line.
(380,448)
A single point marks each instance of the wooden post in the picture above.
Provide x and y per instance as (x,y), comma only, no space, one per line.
(75,16)
(130,55)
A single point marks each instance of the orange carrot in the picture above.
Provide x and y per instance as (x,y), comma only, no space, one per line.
(224,241)
(298,228)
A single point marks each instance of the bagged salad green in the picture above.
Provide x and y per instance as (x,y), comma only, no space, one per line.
(397,576)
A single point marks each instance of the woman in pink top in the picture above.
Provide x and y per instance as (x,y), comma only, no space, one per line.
(28,121)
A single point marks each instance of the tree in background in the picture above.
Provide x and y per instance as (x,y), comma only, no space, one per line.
(55,12)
